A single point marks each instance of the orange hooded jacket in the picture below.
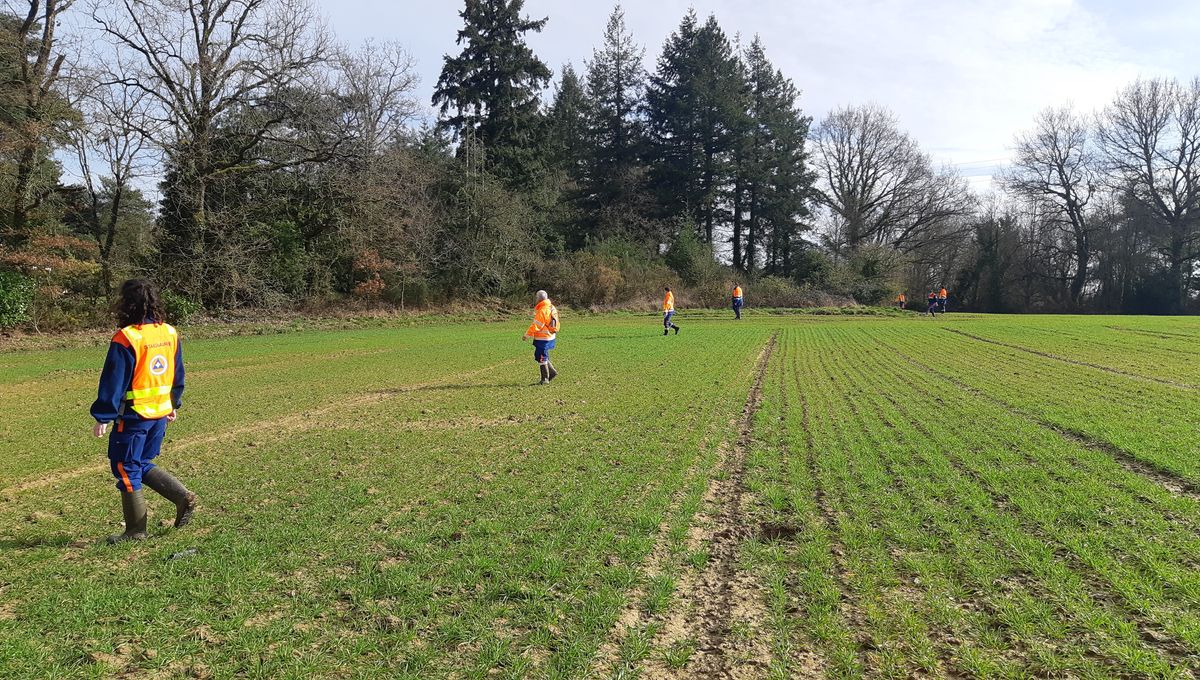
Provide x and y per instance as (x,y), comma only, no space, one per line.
(545,321)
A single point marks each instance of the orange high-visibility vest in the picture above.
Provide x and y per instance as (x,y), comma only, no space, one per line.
(545,321)
(901,298)
(942,293)
(737,291)
(154,347)
(669,302)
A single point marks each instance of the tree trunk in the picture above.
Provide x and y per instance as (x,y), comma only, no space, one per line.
(110,237)
(738,265)
(1081,269)
(706,205)
(787,258)
(1178,260)
(752,232)
(19,218)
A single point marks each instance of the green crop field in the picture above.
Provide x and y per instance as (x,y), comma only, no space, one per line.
(786,496)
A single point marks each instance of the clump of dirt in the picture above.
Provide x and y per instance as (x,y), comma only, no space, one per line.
(777,532)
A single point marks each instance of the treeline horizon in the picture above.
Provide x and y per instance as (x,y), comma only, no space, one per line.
(294,172)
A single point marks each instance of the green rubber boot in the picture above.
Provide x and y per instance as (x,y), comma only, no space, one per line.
(133,507)
(553,373)
(173,490)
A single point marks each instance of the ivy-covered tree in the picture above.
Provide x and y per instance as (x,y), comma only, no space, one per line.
(34,113)
(489,93)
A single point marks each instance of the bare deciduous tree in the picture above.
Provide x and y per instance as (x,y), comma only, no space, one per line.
(1150,137)
(1054,165)
(376,85)
(394,213)
(115,139)
(387,187)
(201,63)
(240,88)
(879,184)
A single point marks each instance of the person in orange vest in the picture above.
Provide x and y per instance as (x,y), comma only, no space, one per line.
(738,301)
(942,295)
(669,312)
(141,387)
(901,299)
(543,330)
(933,304)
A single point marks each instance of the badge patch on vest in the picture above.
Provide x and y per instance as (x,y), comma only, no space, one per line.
(158,365)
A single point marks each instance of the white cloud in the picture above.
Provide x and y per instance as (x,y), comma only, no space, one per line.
(963,75)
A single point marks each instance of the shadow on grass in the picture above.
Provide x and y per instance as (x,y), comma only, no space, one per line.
(463,386)
(30,542)
(629,336)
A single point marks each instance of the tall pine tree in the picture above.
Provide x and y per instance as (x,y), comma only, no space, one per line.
(774,184)
(489,93)
(569,148)
(694,107)
(748,169)
(568,125)
(615,176)
(786,208)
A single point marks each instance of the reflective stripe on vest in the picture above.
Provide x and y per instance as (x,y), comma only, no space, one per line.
(542,331)
(154,347)
(148,392)
(545,330)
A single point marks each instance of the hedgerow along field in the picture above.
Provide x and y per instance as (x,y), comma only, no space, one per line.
(785,496)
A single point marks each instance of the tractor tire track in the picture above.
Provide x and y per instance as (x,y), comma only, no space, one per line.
(1174,484)
(1162,335)
(1073,362)
(1167,646)
(709,603)
(632,616)
(1001,504)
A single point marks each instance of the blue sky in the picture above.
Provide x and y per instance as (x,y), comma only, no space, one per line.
(963,75)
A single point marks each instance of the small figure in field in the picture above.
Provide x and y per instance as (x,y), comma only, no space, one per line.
(669,312)
(543,330)
(933,304)
(901,300)
(942,295)
(738,301)
(141,387)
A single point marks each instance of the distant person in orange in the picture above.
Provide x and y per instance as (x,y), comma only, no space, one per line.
(738,301)
(668,307)
(942,295)
(901,299)
(933,304)
(543,330)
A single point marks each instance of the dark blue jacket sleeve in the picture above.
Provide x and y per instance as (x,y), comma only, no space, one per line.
(177,388)
(114,383)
